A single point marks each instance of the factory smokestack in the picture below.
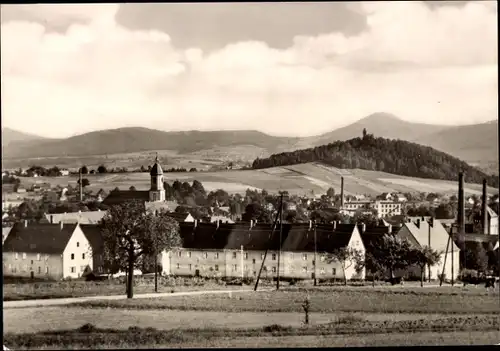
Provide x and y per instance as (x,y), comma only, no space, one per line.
(484,212)
(81,185)
(461,204)
(341,192)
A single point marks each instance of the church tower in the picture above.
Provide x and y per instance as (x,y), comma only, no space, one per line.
(157,191)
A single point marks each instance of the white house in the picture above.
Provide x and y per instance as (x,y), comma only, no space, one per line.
(50,251)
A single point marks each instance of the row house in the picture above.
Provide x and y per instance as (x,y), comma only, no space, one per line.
(47,251)
(238,250)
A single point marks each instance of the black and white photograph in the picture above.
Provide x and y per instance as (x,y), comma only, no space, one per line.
(250,174)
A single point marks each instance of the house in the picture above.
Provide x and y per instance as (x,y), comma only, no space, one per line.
(51,251)
(88,217)
(238,250)
(400,198)
(430,232)
(351,207)
(387,208)
(385,197)
(220,219)
(5,233)
(64,172)
(492,221)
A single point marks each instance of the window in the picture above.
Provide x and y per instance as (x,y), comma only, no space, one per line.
(47,270)
(322,271)
(24,255)
(83,256)
(39,270)
(14,269)
(77,244)
(217,267)
(304,257)
(190,266)
(178,266)
(73,269)
(205,255)
(274,257)
(235,267)
(72,256)
(253,260)
(16,255)
(31,261)
(334,271)
(189,254)
(246,255)
(179,254)
(217,255)
(99,269)
(82,268)
(38,257)
(304,269)
(234,254)
(274,269)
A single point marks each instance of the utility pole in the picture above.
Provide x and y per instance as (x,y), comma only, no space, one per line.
(242,271)
(265,253)
(429,243)
(315,249)
(156,260)
(452,266)
(279,252)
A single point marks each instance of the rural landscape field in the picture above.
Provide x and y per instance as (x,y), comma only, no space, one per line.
(303,179)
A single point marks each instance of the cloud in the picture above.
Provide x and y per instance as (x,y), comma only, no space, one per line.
(98,74)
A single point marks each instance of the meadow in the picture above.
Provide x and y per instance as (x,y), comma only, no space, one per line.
(303,179)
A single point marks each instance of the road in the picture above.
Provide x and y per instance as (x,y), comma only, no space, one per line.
(66,301)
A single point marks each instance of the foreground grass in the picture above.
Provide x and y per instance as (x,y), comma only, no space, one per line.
(322,300)
(78,288)
(89,336)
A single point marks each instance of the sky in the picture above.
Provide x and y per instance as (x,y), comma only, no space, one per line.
(291,69)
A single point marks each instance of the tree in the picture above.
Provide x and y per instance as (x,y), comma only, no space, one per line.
(480,258)
(132,188)
(425,257)
(364,133)
(85,182)
(393,253)
(330,193)
(130,234)
(84,170)
(101,169)
(444,211)
(347,257)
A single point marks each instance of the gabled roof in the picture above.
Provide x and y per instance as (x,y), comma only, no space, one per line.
(93,234)
(39,238)
(491,213)
(439,235)
(118,197)
(88,217)
(179,217)
(5,232)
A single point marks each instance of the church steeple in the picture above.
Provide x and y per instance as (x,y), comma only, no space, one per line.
(157,191)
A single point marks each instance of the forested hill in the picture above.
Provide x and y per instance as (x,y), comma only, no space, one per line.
(385,155)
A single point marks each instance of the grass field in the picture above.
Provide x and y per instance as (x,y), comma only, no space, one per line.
(303,179)
(79,288)
(327,300)
(90,336)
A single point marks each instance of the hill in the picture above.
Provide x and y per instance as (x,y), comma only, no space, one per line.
(379,154)
(475,144)
(11,135)
(383,124)
(301,179)
(135,139)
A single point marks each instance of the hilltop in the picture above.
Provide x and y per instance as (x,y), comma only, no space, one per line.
(379,154)
(475,144)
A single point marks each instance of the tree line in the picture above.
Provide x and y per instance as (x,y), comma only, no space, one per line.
(384,155)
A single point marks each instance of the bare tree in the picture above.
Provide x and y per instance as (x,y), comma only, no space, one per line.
(347,257)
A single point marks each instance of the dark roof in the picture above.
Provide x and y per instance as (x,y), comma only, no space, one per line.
(156,169)
(118,197)
(180,217)
(94,235)
(39,238)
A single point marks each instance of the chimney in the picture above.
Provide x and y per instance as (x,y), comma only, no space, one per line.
(25,223)
(341,192)
(484,212)
(461,204)
(51,219)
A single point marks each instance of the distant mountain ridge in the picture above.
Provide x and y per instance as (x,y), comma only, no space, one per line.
(476,144)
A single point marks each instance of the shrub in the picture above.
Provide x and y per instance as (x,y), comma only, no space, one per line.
(87,328)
